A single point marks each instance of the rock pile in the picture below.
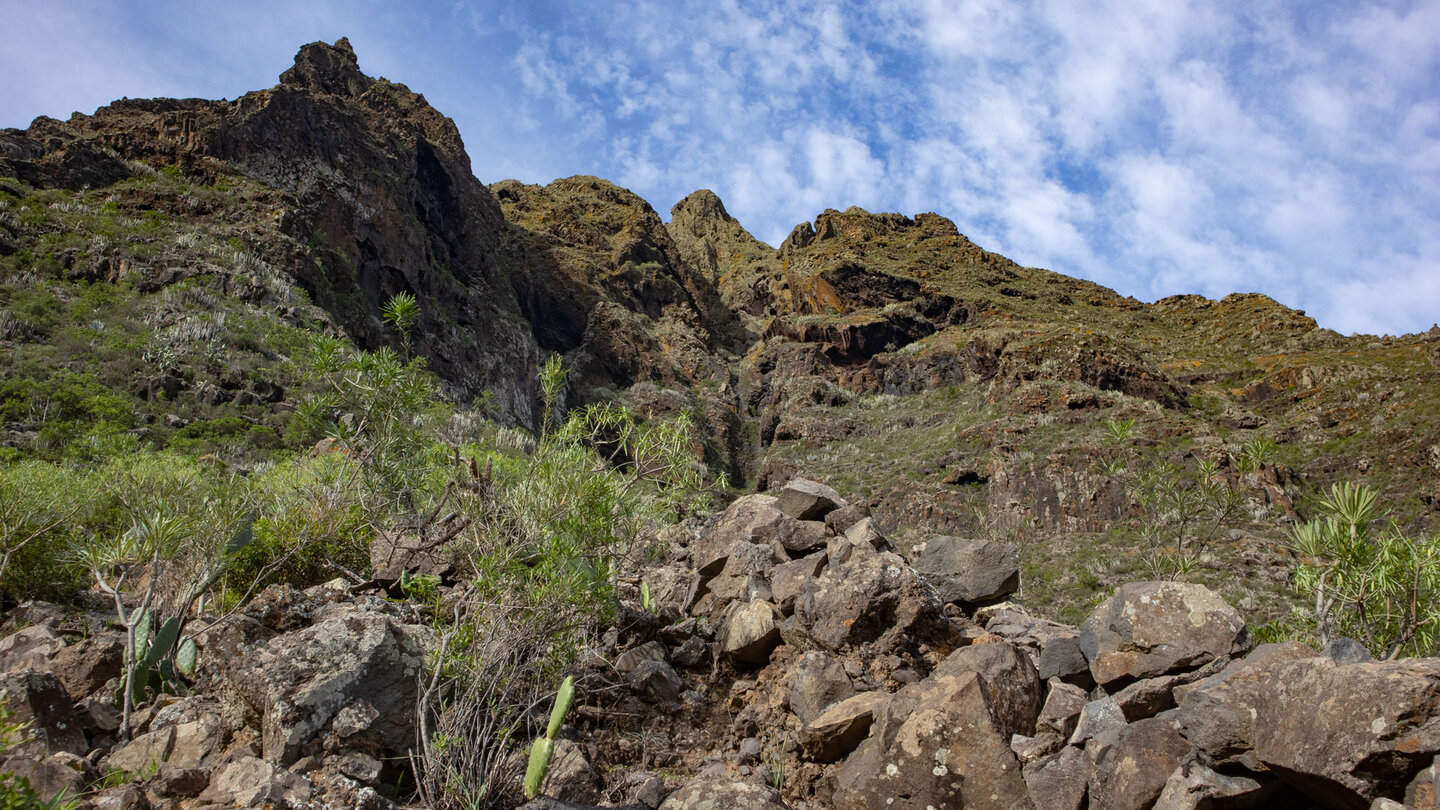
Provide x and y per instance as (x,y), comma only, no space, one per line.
(794,659)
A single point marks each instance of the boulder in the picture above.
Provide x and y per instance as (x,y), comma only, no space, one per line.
(87,666)
(60,773)
(1346,734)
(1129,766)
(635,656)
(1193,786)
(817,682)
(1058,782)
(739,523)
(840,728)
(871,598)
(29,648)
(656,682)
(251,782)
(804,499)
(1153,628)
(721,793)
(38,702)
(293,686)
(1061,712)
(1217,713)
(945,741)
(843,518)
(571,778)
(750,632)
(409,552)
(965,570)
(1097,717)
(787,581)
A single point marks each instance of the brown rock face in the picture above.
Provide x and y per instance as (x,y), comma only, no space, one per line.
(1343,733)
(1151,628)
(1129,767)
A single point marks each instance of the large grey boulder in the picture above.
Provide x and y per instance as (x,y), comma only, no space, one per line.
(1153,628)
(945,741)
(966,570)
(1129,766)
(354,661)
(29,648)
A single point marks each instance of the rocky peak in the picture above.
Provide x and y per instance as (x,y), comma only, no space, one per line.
(700,205)
(328,69)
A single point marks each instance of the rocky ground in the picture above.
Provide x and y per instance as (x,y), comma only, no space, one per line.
(791,659)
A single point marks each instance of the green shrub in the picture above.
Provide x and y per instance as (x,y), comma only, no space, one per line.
(1368,579)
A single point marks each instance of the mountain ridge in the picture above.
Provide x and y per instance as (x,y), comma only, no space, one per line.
(946,385)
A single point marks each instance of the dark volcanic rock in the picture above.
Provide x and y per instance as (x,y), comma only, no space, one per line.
(1151,628)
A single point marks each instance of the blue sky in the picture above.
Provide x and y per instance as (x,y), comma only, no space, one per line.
(1154,146)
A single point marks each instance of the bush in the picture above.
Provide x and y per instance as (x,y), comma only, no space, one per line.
(1369,580)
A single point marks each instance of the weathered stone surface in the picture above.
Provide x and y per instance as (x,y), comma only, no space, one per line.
(864,532)
(1346,734)
(843,518)
(29,648)
(1063,704)
(61,772)
(787,581)
(750,632)
(817,682)
(144,753)
(656,682)
(840,728)
(1030,749)
(945,741)
(804,499)
(965,570)
(392,555)
(1193,786)
(873,597)
(39,702)
(1129,766)
(1216,712)
(745,577)
(571,778)
(295,684)
(1152,628)
(1063,658)
(1058,781)
(635,656)
(86,666)
(737,524)
(1096,717)
(251,782)
(721,793)
(1423,792)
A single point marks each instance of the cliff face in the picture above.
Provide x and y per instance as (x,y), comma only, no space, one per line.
(950,387)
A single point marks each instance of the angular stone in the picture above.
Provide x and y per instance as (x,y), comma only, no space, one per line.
(571,777)
(836,732)
(737,524)
(945,741)
(804,499)
(787,581)
(872,597)
(1096,717)
(87,666)
(1058,781)
(1061,712)
(1346,734)
(1153,628)
(656,682)
(251,782)
(1062,658)
(965,570)
(1030,749)
(1217,712)
(842,519)
(143,754)
(817,682)
(1193,786)
(60,773)
(295,684)
(29,648)
(722,793)
(39,703)
(635,656)
(1130,766)
(865,533)
(750,632)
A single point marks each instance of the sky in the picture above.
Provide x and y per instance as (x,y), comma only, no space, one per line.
(1157,147)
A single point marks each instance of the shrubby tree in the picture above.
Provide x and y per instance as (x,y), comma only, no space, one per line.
(1368,579)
